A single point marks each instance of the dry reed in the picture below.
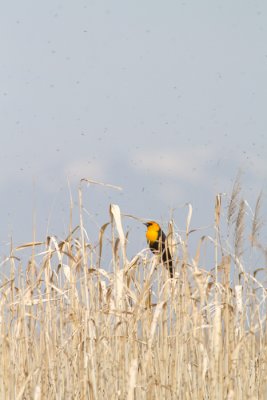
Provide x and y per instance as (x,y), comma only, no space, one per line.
(71,329)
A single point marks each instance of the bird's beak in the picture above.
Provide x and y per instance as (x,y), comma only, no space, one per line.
(145,223)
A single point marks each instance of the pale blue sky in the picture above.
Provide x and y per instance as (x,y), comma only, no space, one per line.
(166,99)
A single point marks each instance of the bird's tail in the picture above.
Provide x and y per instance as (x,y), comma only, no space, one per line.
(167,260)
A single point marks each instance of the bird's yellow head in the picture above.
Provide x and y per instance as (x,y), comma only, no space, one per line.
(153,231)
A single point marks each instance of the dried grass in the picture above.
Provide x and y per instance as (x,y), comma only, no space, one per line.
(72,330)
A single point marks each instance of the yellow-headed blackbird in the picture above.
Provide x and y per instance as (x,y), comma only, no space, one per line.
(157,242)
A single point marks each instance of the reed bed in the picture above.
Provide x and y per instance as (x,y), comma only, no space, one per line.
(71,328)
